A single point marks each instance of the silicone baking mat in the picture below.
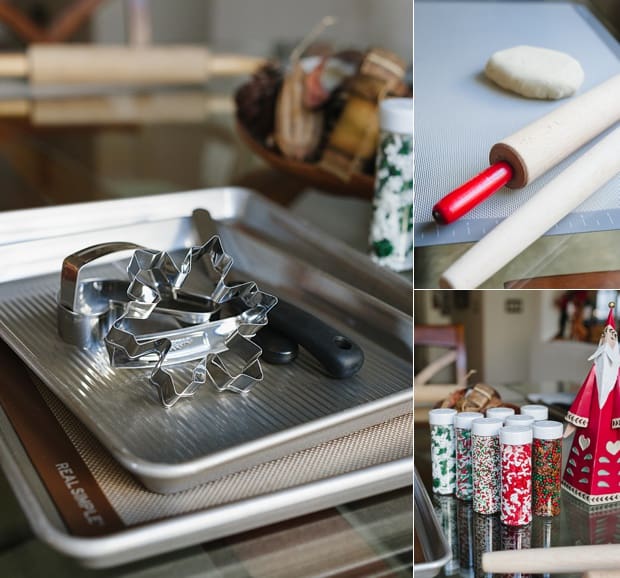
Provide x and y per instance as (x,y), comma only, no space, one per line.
(459,114)
(98,500)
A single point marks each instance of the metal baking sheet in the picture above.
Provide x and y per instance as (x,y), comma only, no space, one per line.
(460,113)
(82,503)
(435,550)
(214,434)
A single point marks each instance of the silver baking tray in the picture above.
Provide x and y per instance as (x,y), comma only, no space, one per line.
(176,521)
(215,434)
(436,552)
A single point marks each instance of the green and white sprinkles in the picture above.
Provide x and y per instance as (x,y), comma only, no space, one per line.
(443,450)
(462,426)
(391,231)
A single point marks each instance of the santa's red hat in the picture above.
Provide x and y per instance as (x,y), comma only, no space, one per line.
(610,318)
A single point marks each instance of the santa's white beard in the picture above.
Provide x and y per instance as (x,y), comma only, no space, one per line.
(607,363)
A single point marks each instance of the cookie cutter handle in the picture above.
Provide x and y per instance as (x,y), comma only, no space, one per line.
(72,268)
(78,323)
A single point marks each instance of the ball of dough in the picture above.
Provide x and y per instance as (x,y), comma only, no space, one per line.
(535,72)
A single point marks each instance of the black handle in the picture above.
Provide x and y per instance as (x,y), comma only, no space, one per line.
(278,349)
(339,356)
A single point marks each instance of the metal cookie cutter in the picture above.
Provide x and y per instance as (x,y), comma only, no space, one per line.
(160,323)
(87,308)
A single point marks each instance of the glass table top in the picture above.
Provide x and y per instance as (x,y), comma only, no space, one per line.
(470,534)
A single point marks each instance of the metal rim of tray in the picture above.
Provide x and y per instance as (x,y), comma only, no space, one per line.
(189,529)
(433,540)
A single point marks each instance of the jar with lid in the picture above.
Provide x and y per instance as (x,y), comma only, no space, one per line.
(391,230)
(443,450)
(486,465)
(516,450)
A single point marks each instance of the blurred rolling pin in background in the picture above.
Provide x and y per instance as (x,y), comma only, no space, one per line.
(45,64)
(522,157)
(170,107)
(531,220)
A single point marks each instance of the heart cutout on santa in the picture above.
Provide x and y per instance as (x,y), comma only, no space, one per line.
(584,442)
(613,447)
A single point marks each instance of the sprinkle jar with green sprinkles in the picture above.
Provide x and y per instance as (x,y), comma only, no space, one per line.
(486,464)
(391,230)
(462,426)
(443,450)
(546,467)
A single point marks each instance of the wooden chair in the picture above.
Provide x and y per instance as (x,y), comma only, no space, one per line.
(452,338)
(70,20)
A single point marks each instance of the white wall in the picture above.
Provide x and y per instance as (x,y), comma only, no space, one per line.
(523,349)
(520,347)
(560,361)
(253,26)
(507,348)
(508,335)
(256,26)
(556,360)
(179,21)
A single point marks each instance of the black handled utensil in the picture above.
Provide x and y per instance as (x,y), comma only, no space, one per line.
(278,349)
(339,356)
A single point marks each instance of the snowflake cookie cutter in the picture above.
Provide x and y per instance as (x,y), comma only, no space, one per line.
(153,321)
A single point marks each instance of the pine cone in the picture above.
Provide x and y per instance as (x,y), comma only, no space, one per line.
(256,101)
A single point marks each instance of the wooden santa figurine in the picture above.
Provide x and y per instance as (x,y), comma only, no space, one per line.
(592,472)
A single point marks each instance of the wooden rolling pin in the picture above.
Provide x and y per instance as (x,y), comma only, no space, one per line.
(524,156)
(535,217)
(105,64)
(173,107)
(563,559)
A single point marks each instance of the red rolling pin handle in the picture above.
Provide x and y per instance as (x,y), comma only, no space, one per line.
(462,200)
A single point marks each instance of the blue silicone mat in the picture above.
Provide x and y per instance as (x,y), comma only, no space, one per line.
(459,114)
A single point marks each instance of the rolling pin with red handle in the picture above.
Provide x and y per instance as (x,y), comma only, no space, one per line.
(108,64)
(522,157)
(598,165)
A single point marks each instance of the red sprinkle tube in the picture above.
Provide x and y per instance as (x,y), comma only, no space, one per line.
(516,494)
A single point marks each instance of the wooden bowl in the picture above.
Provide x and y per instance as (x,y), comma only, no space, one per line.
(359,185)
(457,394)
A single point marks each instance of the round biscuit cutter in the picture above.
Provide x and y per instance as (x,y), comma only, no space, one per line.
(151,320)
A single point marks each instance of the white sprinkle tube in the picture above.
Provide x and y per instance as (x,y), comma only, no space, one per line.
(536,216)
